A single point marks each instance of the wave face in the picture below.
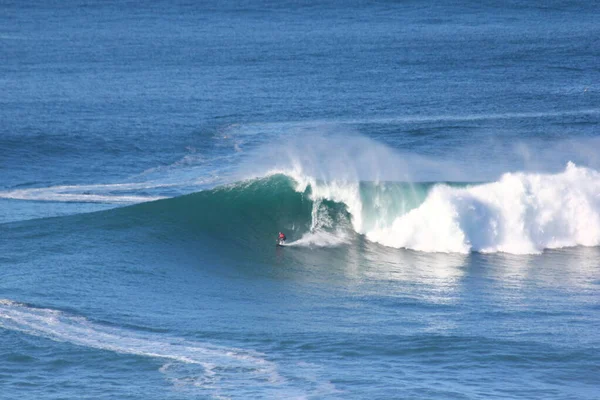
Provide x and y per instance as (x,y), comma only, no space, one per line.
(248,213)
(521,213)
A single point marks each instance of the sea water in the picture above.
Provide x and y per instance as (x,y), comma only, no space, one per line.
(434,166)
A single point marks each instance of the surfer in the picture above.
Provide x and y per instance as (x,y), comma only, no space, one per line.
(281,238)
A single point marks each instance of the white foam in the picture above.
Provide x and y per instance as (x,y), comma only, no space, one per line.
(208,366)
(323,232)
(521,213)
(333,160)
(321,239)
(108,193)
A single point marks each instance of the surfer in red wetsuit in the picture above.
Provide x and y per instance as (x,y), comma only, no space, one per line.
(281,237)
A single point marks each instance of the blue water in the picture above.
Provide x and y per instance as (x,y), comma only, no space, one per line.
(434,166)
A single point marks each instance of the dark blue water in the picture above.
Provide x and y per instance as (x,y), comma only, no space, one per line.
(434,166)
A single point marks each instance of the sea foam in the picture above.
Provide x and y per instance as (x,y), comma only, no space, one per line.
(204,365)
(520,213)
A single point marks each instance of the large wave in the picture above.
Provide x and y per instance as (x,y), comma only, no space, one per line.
(520,213)
(331,190)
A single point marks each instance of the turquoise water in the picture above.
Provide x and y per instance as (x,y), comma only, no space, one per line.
(433,165)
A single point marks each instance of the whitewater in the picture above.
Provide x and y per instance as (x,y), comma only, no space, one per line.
(434,166)
(521,213)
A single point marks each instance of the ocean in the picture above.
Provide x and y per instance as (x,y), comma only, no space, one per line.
(434,166)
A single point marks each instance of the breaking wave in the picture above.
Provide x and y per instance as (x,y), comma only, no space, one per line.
(520,213)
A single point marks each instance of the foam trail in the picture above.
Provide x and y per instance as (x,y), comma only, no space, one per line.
(210,367)
(321,239)
(76,198)
(86,193)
